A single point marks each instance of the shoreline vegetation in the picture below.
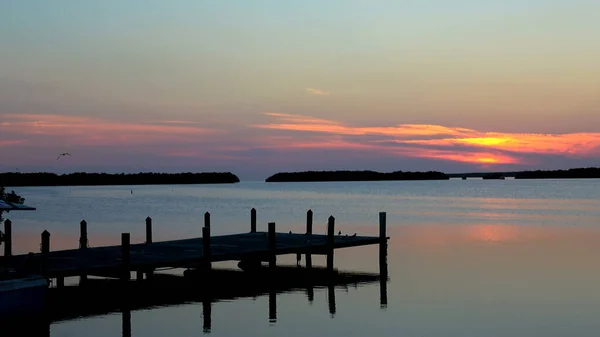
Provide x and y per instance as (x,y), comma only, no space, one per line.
(15,179)
(575,173)
(317,176)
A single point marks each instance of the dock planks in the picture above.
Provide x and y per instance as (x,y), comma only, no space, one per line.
(188,252)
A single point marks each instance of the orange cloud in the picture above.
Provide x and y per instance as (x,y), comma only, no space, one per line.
(318,92)
(436,141)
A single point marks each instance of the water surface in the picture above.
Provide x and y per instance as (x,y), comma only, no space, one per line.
(466,258)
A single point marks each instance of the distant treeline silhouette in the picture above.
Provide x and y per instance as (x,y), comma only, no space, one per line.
(590,172)
(94,179)
(309,176)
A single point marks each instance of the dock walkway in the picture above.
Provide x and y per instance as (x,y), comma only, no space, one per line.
(195,253)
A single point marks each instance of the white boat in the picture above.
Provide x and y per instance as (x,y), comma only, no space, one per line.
(23,295)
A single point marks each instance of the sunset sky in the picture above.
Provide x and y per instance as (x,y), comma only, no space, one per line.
(258,87)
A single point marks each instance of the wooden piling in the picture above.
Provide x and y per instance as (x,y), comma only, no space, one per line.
(272,306)
(253,220)
(330,238)
(83,235)
(206,315)
(125,256)
(382,244)
(331,299)
(60,282)
(206,251)
(45,248)
(272,246)
(83,245)
(383,269)
(207,219)
(148,230)
(126,320)
(7,238)
(309,222)
(45,242)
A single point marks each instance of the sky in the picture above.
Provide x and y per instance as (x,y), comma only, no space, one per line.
(263,86)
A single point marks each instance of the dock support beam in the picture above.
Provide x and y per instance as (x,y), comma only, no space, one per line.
(45,249)
(83,236)
(206,246)
(272,306)
(309,222)
(60,282)
(83,246)
(149,272)
(7,238)
(330,238)
(331,298)
(383,270)
(206,315)
(253,220)
(125,256)
(148,230)
(272,246)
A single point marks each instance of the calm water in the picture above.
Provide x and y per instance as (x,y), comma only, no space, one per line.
(466,258)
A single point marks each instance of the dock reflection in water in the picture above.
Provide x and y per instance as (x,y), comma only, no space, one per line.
(103,296)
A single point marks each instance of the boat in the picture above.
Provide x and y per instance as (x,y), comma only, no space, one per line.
(22,294)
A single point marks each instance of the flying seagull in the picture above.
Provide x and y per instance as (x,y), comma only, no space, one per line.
(63,154)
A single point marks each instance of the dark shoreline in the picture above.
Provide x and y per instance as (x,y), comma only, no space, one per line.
(575,173)
(321,176)
(11,179)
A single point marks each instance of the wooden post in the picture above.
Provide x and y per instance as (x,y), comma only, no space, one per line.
(7,238)
(309,222)
(45,242)
(272,246)
(310,293)
(206,246)
(330,238)
(83,245)
(139,275)
(125,256)
(148,230)
(207,219)
(149,272)
(206,315)
(253,220)
(126,320)
(383,270)
(45,249)
(382,244)
(60,282)
(83,236)
(331,298)
(272,306)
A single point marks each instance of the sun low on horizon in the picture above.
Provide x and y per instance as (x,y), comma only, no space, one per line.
(258,87)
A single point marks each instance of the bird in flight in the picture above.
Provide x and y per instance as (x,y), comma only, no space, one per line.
(63,154)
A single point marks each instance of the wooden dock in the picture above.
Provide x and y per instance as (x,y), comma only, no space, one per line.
(196,253)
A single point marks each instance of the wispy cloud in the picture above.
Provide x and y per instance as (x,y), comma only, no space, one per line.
(317,92)
(95,131)
(434,141)
(173,122)
(9,142)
